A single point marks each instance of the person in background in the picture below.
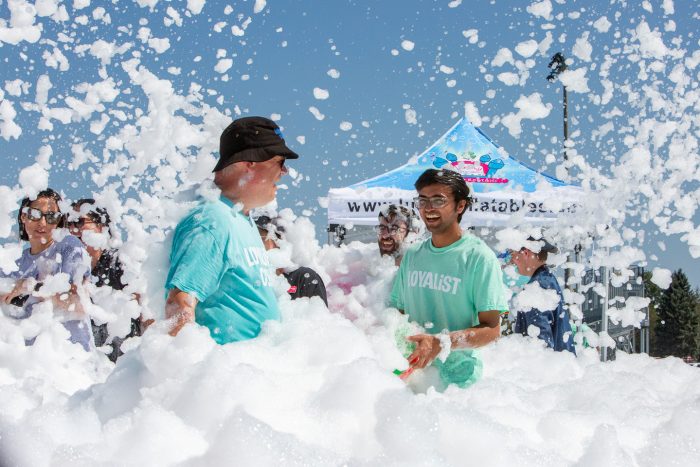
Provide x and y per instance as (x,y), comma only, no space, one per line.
(50,259)
(451,284)
(219,273)
(303,281)
(553,325)
(395,222)
(89,222)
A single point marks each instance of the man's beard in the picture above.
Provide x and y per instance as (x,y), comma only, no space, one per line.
(394,249)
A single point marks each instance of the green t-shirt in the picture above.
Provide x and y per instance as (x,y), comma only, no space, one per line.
(445,289)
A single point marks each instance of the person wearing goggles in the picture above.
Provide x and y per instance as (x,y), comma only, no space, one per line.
(47,256)
(395,223)
(451,284)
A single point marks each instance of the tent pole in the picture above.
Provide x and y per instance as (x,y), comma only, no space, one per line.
(604,317)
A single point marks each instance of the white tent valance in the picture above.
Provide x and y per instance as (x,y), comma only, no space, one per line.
(502,186)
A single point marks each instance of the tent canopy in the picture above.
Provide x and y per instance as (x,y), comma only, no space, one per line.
(501,186)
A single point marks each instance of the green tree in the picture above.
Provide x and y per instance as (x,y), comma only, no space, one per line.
(678,322)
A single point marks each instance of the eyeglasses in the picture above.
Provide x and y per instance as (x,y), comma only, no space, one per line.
(35,215)
(436,202)
(390,229)
(79,224)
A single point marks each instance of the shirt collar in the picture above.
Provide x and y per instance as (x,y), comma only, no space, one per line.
(226,201)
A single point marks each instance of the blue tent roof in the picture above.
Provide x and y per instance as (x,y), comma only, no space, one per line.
(466,149)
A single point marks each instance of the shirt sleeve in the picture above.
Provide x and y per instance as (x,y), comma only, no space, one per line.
(315,286)
(488,288)
(318,288)
(75,261)
(116,273)
(196,263)
(396,299)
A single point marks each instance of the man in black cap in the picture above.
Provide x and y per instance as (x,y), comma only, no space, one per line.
(303,281)
(552,326)
(219,273)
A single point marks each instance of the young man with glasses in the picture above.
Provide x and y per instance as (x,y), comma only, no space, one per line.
(220,275)
(395,223)
(451,284)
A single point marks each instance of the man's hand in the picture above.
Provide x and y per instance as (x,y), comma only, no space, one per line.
(179,307)
(427,348)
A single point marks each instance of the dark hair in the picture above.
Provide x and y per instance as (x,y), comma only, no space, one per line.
(450,178)
(47,193)
(541,255)
(546,247)
(266,223)
(402,212)
(96,214)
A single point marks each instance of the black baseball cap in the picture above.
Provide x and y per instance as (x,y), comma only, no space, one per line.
(252,139)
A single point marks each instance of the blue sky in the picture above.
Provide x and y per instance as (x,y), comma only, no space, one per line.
(287,50)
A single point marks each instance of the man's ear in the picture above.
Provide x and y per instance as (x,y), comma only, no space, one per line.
(461,206)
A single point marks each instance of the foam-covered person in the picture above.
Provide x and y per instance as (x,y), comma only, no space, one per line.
(52,269)
(553,325)
(395,223)
(450,284)
(303,281)
(219,273)
(91,224)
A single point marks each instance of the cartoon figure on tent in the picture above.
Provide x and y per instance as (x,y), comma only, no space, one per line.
(486,167)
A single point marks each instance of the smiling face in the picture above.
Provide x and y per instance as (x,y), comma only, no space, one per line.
(39,231)
(440,220)
(391,234)
(85,224)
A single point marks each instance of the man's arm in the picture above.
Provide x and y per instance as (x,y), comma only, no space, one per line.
(428,345)
(179,306)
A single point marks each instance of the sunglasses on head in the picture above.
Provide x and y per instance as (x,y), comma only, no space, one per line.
(35,215)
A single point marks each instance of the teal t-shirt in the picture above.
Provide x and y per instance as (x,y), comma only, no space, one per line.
(445,289)
(218,256)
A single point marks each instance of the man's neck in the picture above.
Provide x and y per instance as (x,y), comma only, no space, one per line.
(448,237)
(236,200)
